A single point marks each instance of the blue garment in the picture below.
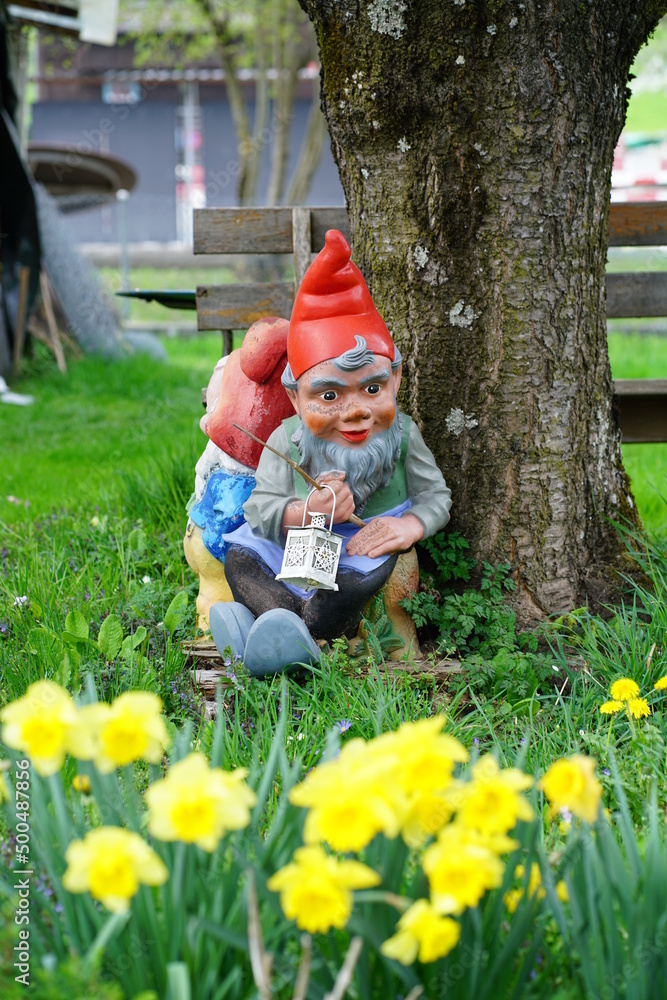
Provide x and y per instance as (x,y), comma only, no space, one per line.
(220,510)
(272,554)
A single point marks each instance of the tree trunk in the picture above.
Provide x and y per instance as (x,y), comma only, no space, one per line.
(474,140)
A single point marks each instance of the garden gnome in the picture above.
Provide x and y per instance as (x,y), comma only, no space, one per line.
(245,388)
(342,376)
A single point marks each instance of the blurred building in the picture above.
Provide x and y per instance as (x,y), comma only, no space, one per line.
(173,127)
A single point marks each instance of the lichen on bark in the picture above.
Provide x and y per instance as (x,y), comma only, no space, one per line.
(475,148)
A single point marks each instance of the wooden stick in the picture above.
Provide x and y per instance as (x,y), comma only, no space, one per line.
(297,468)
(47,302)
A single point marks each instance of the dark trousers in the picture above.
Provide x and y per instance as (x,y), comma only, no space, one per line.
(327,613)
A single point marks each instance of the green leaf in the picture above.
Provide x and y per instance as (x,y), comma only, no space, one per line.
(176,612)
(76,627)
(110,639)
(132,642)
(178,976)
(136,542)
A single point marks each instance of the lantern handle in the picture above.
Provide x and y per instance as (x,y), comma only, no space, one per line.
(322,486)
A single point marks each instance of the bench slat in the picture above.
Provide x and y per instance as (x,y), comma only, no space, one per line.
(639,224)
(232,307)
(260,230)
(269,230)
(642,409)
(636,294)
(235,307)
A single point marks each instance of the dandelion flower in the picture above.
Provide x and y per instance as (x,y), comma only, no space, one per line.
(315,889)
(638,708)
(570,783)
(110,863)
(46,725)
(661,684)
(611,707)
(624,689)
(422,933)
(197,804)
(81,783)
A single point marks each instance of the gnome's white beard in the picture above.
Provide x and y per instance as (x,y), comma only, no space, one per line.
(367,467)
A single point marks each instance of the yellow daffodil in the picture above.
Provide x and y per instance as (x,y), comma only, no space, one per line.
(129,729)
(197,804)
(534,889)
(110,863)
(46,725)
(460,867)
(512,898)
(315,889)
(492,802)
(570,783)
(612,707)
(638,708)
(422,933)
(426,814)
(425,755)
(661,684)
(624,689)
(351,799)
(425,758)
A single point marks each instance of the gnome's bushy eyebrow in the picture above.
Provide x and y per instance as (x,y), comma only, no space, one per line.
(382,376)
(328,382)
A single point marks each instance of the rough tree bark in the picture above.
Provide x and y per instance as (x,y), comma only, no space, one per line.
(474,140)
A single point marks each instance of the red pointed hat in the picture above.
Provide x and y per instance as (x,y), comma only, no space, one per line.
(332,307)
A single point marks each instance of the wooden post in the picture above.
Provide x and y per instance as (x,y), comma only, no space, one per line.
(301,244)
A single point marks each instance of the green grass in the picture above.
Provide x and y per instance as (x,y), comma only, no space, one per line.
(89,427)
(167,278)
(647,109)
(645,356)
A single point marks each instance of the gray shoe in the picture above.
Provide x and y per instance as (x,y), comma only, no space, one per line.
(230,624)
(278,639)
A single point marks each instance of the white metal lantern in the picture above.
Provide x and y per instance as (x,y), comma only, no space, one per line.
(312,553)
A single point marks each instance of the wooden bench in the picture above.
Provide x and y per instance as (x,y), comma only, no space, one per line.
(300,232)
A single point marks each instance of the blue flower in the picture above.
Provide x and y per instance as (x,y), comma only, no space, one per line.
(342,725)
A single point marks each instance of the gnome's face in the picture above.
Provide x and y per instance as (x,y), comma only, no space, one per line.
(347,407)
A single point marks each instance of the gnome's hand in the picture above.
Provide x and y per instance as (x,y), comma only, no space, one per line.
(321,502)
(385,535)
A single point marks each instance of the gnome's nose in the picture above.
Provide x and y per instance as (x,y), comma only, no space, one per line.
(356,412)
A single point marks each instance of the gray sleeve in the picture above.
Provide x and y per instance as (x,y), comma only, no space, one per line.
(265,507)
(430,496)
